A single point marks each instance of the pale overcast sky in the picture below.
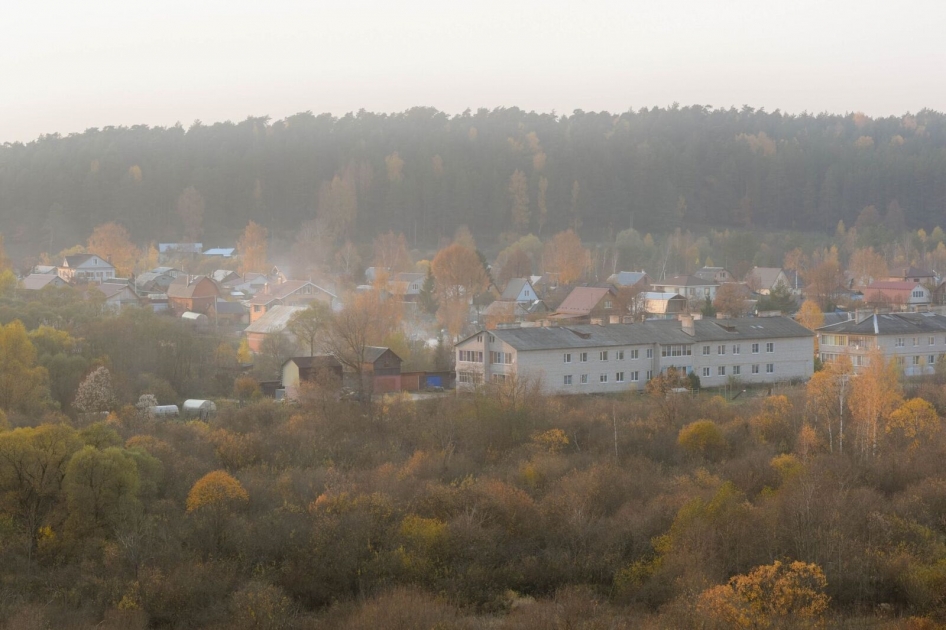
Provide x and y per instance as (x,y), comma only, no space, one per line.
(67,66)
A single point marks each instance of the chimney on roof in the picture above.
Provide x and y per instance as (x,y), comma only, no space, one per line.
(686,323)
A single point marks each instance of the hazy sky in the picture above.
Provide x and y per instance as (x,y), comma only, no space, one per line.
(67,66)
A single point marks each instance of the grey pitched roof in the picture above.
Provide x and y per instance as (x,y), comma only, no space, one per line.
(650,332)
(110,290)
(513,289)
(890,324)
(767,276)
(686,281)
(626,278)
(317,361)
(911,272)
(36,281)
(230,308)
(373,353)
(274,320)
(181,248)
(78,259)
(709,273)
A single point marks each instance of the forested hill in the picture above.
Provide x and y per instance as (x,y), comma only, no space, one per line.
(424,173)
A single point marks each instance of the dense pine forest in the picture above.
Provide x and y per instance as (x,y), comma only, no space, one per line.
(423,172)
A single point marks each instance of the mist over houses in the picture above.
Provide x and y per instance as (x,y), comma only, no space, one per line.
(575,336)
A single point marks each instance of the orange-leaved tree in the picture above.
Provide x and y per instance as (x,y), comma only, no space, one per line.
(459,275)
(213,499)
(914,421)
(252,248)
(565,257)
(826,394)
(768,596)
(218,490)
(112,242)
(875,394)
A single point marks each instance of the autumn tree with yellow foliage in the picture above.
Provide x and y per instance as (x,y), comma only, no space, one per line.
(875,394)
(112,242)
(565,257)
(252,248)
(768,596)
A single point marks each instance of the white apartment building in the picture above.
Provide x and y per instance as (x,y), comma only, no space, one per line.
(597,359)
(916,341)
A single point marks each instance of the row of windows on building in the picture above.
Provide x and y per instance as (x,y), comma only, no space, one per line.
(736,370)
(737,348)
(619,377)
(902,342)
(476,356)
(859,360)
(856,341)
(604,355)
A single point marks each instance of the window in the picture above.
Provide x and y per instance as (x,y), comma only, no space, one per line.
(675,351)
(931,360)
(736,370)
(706,371)
(706,350)
(619,377)
(721,349)
(918,293)
(583,379)
(770,368)
(650,353)
(567,357)
(770,347)
(527,294)
(635,376)
(603,355)
(899,343)
(498,378)
(471,356)
(755,368)
(932,341)
(468,377)
(603,378)
(568,379)
(916,360)
(634,354)
(500,357)
(755,348)
(650,374)
(721,370)
(583,357)
(618,355)
(479,338)
(607,303)
(735,348)
(915,342)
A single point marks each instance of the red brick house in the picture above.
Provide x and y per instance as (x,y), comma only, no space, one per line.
(197,294)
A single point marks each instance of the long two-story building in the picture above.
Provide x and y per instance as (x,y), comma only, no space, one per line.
(597,359)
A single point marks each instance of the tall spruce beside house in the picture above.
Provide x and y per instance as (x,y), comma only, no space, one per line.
(708,309)
(427,298)
(780,298)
